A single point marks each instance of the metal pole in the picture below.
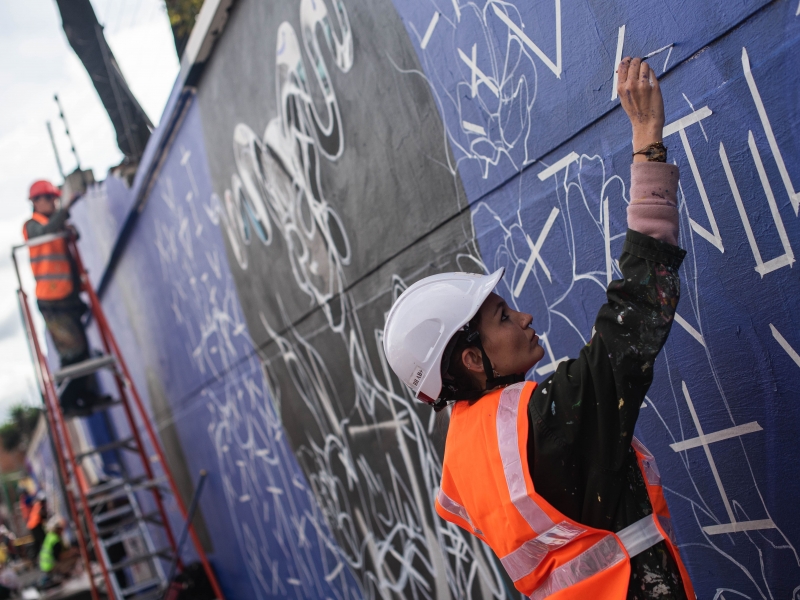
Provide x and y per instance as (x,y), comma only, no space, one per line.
(189,516)
(55,151)
(66,128)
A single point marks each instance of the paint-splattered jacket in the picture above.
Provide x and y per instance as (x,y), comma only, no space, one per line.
(583,416)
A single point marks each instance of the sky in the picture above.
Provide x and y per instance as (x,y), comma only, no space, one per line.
(36,62)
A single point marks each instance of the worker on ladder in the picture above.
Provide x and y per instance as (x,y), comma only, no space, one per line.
(58,293)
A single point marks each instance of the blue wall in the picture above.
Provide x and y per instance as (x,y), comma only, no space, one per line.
(731,365)
(269,374)
(176,315)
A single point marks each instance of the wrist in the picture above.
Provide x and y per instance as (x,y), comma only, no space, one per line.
(645,137)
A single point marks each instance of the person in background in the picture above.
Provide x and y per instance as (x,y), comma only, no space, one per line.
(7,539)
(58,293)
(35,523)
(25,503)
(56,559)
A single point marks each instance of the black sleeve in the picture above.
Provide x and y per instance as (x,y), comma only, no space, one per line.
(583,416)
(58,547)
(54,225)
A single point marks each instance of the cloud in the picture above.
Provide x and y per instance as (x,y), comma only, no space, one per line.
(10,326)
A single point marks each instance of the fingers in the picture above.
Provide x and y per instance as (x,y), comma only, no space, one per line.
(633,70)
(622,70)
(632,73)
(644,73)
(647,75)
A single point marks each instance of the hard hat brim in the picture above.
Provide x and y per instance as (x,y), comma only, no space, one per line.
(426,379)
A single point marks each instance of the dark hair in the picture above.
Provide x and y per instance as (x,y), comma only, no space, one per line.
(458,382)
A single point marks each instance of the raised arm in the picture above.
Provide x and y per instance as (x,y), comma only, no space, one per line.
(583,416)
(654,182)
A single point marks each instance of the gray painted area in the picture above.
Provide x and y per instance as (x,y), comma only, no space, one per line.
(387,207)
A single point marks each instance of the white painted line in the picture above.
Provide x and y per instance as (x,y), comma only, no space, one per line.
(555,68)
(558,165)
(336,570)
(457,9)
(713,236)
(717,436)
(664,70)
(535,253)
(785,345)
(478,76)
(535,248)
(683,123)
(734,527)
(617,60)
(358,429)
(607,236)
(798,10)
(659,51)
(737,198)
(473,128)
(709,457)
(773,144)
(689,329)
(429,32)
(788,257)
(689,102)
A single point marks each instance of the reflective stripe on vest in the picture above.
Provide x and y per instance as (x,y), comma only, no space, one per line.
(550,537)
(50,265)
(47,561)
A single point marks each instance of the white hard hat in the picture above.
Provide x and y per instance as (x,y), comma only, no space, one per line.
(424,318)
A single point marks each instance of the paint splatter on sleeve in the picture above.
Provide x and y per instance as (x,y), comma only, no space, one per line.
(584,415)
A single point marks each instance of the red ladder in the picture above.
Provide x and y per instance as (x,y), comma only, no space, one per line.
(83,500)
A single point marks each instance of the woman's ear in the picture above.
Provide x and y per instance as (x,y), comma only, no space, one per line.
(473,360)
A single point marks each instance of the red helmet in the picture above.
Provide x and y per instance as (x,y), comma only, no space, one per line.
(42,188)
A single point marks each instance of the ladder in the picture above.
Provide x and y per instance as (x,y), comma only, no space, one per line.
(109,519)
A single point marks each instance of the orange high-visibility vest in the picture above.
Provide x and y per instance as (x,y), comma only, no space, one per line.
(487,490)
(35,516)
(50,265)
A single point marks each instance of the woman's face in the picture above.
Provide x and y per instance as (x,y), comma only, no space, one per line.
(507,337)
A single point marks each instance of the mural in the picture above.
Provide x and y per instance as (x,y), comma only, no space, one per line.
(339,150)
(513,93)
(361,440)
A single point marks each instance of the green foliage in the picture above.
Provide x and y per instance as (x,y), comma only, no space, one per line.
(16,432)
(182,15)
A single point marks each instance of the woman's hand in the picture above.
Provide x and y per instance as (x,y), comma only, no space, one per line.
(641,98)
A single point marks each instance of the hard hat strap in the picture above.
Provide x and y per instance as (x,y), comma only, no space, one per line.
(451,393)
(474,338)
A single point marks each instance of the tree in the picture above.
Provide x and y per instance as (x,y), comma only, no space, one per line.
(182,15)
(86,37)
(16,432)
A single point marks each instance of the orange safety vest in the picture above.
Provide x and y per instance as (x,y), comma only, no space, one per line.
(35,516)
(50,265)
(487,490)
